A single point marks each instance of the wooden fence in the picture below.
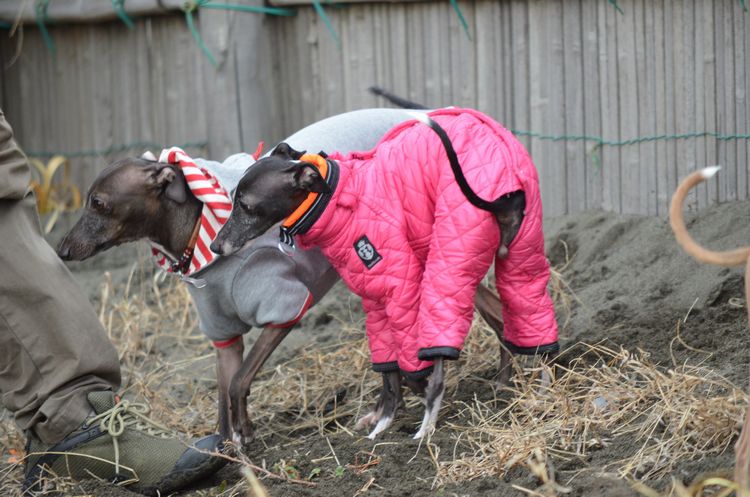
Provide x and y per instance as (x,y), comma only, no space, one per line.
(558,70)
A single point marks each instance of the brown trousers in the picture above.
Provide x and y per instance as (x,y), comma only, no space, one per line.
(53,350)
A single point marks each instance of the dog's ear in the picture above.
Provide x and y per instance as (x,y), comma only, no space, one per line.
(172,183)
(283,150)
(307,177)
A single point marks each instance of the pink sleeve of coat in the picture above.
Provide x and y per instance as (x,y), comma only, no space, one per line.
(461,251)
(383,348)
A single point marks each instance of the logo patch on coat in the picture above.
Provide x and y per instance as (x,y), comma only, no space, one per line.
(366,252)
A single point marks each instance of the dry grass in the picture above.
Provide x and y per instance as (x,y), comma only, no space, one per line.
(603,397)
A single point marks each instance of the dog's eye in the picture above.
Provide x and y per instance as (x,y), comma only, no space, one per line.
(97,203)
(253,211)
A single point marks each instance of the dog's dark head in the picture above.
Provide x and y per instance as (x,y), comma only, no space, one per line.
(268,192)
(123,205)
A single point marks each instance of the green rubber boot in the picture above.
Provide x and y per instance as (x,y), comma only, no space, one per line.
(120,444)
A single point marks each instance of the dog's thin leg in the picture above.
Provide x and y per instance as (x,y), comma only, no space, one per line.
(488,306)
(547,360)
(269,339)
(433,398)
(506,368)
(228,362)
(385,409)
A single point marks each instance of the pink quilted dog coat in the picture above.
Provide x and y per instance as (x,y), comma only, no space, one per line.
(402,235)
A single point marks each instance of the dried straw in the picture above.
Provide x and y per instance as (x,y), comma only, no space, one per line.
(603,396)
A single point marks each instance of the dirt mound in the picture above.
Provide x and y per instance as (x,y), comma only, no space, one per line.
(657,397)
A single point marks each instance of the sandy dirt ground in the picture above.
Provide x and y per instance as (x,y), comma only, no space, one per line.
(621,283)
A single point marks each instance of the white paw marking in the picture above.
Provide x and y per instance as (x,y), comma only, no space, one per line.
(430,418)
(382,425)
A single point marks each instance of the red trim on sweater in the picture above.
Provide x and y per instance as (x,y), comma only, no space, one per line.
(222,344)
(300,314)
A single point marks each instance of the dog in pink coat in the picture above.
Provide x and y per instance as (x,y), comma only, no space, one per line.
(407,228)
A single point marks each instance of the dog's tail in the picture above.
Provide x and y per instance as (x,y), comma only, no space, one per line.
(736,257)
(395,99)
(497,205)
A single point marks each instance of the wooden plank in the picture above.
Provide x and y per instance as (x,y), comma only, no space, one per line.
(100,102)
(398,29)
(573,105)
(721,98)
(684,90)
(363,30)
(740,106)
(610,156)
(521,77)
(592,117)
(415,54)
(460,77)
(730,177)
(669,85)
(658,86)
(144,125)
(488,94)
(382,48)
(699,144)
(644,35)
(254,82)
(221,93)
(507,62)
(708,67)
(547,101)
(745,48)
(433,56)
(628,101)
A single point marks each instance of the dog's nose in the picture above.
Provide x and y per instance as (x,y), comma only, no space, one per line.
(216,248)
(64,252)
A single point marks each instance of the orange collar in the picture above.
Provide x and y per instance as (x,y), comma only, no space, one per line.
(304,216)
(322,165)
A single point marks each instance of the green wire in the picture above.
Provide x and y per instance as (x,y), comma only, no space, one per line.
(322,13)
(461,18)
(598,140)
(633,141)
(189,8)
(40,9)
(193,5)
(276,11)
(616,6)
(119,6)
(744,6)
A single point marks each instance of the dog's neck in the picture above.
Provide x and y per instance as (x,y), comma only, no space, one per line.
(174,228)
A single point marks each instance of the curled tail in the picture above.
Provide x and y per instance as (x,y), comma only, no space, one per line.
(736,257)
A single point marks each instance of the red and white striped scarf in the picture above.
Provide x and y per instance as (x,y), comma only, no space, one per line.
(217,205)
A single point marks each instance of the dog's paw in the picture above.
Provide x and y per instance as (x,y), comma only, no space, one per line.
(241,441)
(366,421)
(423,432)
(383,424)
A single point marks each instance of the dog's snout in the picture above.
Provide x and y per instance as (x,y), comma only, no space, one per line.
(63,251)
(216,247)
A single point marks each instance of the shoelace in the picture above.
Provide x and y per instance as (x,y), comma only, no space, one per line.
(124,414)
